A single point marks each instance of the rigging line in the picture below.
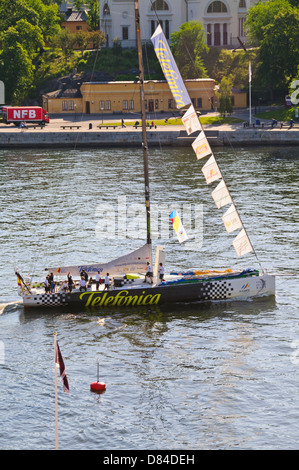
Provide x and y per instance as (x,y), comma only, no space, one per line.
(91,77)
(33,267)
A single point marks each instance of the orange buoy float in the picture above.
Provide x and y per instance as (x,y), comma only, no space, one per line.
(97,386)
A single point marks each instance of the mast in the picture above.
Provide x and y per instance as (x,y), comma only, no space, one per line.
(143,121)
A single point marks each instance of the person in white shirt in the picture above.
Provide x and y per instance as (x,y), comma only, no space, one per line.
(149,273)
(107,285)
(162,271)
(98,279)
(82,284)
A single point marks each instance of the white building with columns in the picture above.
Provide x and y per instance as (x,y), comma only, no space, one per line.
(223,20)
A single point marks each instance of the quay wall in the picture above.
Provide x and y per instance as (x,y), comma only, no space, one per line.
(46,138)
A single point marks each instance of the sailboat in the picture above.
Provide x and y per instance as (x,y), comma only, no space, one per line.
(126,283)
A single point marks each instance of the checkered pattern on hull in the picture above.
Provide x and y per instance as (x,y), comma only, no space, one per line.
(50,299)
(217,290)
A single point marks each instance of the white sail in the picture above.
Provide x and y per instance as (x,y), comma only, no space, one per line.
(134,262)
(242,244)
(211,171)
(231,219)
(201,146)
(191,121)
(221,195)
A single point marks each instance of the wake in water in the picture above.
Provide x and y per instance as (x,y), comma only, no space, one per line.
(10,306)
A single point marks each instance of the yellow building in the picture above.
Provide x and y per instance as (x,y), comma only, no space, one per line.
(124,97)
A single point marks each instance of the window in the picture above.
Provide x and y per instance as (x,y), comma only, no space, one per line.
(217,7)
(108,105)
(159,5)
(71,105)
(217,34)
(164,25)
(125,104)
(125,33)
(156,104)
(78,28)
(209,35)
(64,105)
(242,4)
(106,9)
(224,40)
(241,26)
(102,105)
(170,104)
(199,102)
(131,104)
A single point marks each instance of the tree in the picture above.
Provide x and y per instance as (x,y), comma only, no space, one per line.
(36,12)
(224,97)
(82,40)
(188,45)
(16,72)
(65,40)
(275,26)
(93,15)
(26,34)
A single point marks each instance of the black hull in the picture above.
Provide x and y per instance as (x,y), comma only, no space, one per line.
(201,291)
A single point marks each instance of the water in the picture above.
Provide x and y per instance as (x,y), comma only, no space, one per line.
(214,376)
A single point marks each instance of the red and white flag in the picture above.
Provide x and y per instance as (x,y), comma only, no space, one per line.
(60,363)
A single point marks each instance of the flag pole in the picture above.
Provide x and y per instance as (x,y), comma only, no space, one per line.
(250,93)
(56,401)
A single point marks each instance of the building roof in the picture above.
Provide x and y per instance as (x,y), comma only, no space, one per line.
(73,15)
(65,93)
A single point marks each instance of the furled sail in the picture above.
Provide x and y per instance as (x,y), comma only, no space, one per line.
(134,262)
(200,145)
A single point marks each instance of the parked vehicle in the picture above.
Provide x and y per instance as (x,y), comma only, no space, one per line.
(288,101)
(27,114)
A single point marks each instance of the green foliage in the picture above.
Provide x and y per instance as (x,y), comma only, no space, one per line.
(232,64)
(188,46)
(93,15)
(25,25)
(224,97)
(16,71)
(274,25)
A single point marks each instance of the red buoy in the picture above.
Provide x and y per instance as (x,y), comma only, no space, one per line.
(97,386)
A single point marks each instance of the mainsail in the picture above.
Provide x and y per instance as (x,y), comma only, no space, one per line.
(201,146)
(134,262)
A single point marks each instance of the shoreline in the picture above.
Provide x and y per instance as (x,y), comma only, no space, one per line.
(88,134)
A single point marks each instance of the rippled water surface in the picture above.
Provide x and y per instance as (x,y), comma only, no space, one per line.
(209,376)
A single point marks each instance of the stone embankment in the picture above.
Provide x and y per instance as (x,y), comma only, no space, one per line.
(60,133)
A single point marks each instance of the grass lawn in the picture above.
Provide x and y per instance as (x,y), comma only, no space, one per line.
(214,120)
(284,114)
